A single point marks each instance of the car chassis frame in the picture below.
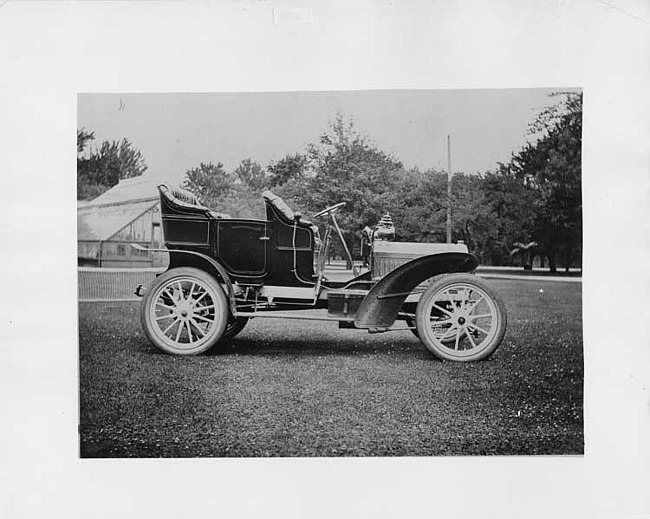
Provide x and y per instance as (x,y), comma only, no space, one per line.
(224,271)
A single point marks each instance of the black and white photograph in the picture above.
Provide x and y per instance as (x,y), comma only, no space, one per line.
(371,259)
(366,273)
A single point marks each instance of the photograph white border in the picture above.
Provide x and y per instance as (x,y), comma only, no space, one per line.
(51,51)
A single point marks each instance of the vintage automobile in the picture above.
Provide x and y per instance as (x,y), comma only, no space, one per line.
(224,271)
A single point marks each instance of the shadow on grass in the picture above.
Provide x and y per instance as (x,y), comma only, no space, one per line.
(345,346)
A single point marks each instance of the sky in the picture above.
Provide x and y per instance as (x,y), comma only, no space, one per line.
(176,132)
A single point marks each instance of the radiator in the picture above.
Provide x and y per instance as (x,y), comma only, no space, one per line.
(388,255)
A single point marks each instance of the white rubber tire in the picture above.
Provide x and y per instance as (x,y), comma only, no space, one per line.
(460,317)
(184,311)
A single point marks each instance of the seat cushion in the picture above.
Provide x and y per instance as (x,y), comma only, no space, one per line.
(185,196)
(279,204)
(184,200)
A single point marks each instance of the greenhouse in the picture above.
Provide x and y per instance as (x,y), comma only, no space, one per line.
(128,213)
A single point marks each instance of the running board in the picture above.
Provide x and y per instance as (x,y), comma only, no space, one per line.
(312,317)
(293,315)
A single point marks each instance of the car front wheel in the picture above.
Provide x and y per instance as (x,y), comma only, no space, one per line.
(460,317)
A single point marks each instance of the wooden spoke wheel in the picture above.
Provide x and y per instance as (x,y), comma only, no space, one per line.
(461,318)
(184,311)
(234,326)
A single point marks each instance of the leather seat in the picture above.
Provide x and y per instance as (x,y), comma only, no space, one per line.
(188,202)
(277,209)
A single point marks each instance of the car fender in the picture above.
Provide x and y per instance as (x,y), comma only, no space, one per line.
(381,305)
(186,258)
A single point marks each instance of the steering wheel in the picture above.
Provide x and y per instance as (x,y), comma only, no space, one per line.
(329,209)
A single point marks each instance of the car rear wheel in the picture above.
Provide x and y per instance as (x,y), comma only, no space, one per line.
(184,311)
(234,326)
(460,317)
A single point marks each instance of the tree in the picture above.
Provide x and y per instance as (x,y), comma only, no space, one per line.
(121,159)
(115,161)
(345,167)
(209,182)
(251,174)
(242,202)
(83,138)
(419,205)
(509,201)
(552,168)
(99,170)
(88,187)
(216,189)
(291,167)
(473,219)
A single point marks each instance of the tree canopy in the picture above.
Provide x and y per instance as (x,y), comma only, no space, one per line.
(552,168)
(251,174)
(291,167)
(100,169)
(236,194)
(345,167)
(208,181)
(530,204)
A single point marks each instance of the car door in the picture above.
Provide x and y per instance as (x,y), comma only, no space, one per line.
(242,246)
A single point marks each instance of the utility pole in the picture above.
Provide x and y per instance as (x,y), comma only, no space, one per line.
(448,189)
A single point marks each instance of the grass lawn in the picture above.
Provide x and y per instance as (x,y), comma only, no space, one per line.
(303,388)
